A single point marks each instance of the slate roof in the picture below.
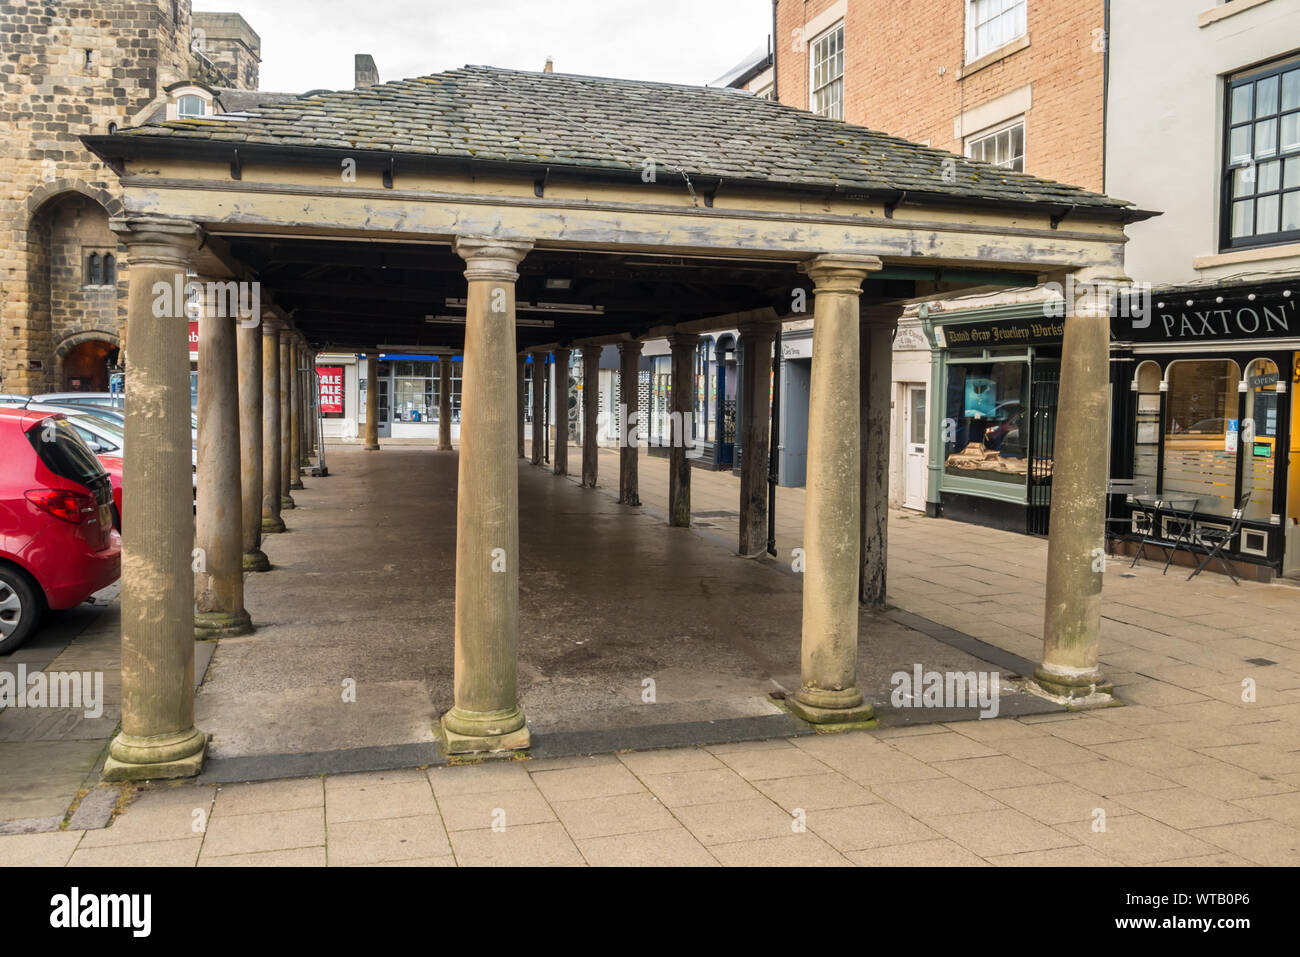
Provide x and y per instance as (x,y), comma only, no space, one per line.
(565,120)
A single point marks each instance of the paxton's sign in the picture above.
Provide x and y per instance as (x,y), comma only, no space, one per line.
(1213,315)
(1018,332)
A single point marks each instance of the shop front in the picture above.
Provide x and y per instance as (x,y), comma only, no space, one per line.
(1204,405)
(408,384)
(995,376)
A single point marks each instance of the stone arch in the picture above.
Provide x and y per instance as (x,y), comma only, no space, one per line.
(70,341)
(55,188)
(88,357)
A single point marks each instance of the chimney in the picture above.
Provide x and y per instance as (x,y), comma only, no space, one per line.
(550,66)
(365,71)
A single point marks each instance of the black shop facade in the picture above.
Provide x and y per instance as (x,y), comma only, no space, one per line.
(1203,399)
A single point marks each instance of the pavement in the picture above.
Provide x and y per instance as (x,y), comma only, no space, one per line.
(1200,766)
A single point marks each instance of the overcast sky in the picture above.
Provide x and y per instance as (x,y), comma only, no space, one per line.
(309,44)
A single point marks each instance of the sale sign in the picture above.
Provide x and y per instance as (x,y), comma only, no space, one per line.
(331,388)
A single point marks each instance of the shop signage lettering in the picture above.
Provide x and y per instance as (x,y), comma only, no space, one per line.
(194,336)
(1018,333)
(1260,381)
(331,388)
(1236,317)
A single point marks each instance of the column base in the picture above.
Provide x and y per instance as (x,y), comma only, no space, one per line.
(221,624)
(1085,690)
(271,526)
(256,561)
(475,732)
(444,448)
(286,502)
(371,448)
(831,707)
(132,758)
(296,484)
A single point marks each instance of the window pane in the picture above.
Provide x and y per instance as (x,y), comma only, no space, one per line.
(987,402)
(1269,176)
(1290,132)
(1292,176)
(1243,181)
(1266,211)
(1241,103)
(1265,138)
(1290,211)
(1201,421)
(1239,145)
(1243,219)
(1266,96)
(1291,90)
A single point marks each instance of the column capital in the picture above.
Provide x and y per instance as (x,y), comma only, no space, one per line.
(487,257)
(684,340)
(758,331)
(287,333)
(271,323)
(157,241)
(839,272)
(631,347)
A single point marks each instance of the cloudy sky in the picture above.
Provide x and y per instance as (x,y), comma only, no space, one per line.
(309,44)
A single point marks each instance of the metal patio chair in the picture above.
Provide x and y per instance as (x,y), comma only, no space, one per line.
(1216,539)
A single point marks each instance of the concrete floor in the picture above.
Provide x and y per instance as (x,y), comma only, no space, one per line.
(362,592)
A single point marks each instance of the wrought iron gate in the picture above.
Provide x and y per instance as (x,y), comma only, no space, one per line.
(1045,382)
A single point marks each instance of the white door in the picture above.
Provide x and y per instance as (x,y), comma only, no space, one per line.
(914,457)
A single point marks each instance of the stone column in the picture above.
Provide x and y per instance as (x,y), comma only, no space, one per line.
(1076,552)
(521,370)
(875,388)
(682,418)
(286,417)
(590,415)
(560,458)
(444,403)
(218,507)
(271,520)
(629,368)
(372,402)
(486,715)
(249,340)
(756,398)
(829,692)
(296,416)
(539,396)
(158,738)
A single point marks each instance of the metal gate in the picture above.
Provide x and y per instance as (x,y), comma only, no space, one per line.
(1045,383)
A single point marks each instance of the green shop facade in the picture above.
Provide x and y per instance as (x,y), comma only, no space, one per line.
(995,373)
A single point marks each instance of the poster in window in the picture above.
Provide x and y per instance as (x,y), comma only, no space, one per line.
(981,397)
(331,388)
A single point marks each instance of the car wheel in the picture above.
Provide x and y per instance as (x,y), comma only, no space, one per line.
(20,609)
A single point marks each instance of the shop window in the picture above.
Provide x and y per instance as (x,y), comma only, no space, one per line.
(414,396)
(1202,432)
(1261,193)
(827,61)
(1259,437)
(992,24)
(1146,448)
(986,432)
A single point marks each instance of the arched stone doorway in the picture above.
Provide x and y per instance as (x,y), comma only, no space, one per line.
(72,273)
(85,366)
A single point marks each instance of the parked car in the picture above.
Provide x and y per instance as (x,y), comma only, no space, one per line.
(58,545)
(112,400)
(102,431)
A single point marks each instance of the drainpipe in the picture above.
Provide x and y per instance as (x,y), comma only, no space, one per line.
(775,96)
(938,404)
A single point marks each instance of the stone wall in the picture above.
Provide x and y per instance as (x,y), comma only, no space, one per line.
(70,69)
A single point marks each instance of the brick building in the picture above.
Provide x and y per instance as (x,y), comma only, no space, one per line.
(67,70)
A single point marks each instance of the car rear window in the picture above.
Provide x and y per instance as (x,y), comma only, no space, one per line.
(64,453)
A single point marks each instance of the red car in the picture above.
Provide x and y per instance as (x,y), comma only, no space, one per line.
(57,541)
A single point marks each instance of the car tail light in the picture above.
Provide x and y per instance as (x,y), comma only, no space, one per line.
(61,503)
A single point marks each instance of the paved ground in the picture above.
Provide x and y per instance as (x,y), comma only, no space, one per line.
(1188,772)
